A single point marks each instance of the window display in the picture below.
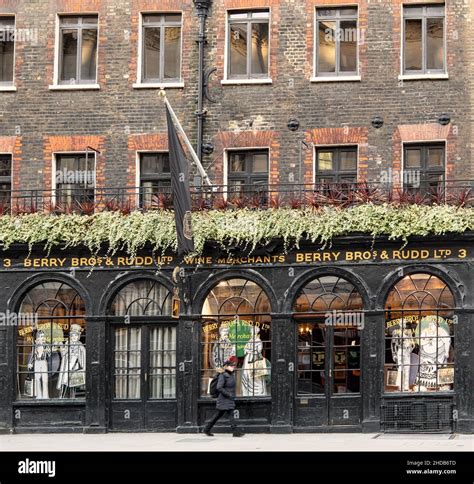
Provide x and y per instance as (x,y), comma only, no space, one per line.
(51,350)
(419,334)
(236,323)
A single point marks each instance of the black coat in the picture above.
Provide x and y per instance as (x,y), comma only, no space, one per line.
(226,389)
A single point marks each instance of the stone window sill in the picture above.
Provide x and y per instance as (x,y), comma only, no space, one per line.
(74,87)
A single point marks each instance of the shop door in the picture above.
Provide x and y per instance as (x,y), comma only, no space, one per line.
(328,375)
(143,377)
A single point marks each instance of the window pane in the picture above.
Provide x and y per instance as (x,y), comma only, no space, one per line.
(155,163)
(69,52)
(90,20)
(435,43)
(6,59)
(260,162)
(238,49)
(89,54)
(348,161)
(238,15)
(260,14)
(260,48)
(326,12)
(327,47)
(413,48)
(435,157)
(348,49)
(237,162)
(349,12)
(172,52)
(413,158)
(5,165)
(325,161)
(152,53)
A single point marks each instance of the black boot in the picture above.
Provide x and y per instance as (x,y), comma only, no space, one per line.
(237,433)
(208,432)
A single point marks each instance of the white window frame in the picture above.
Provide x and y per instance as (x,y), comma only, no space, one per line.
(316,147)
(57,86)
(414,76)
(10,86)
(139,84)
(232,81)
(423,142)
(54,169)
(341,77)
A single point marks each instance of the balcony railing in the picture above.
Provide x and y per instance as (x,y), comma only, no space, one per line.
(127,199)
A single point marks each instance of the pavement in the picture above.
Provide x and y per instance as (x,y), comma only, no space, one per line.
(164,442)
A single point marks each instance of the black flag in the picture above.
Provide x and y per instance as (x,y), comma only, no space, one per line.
(180,187)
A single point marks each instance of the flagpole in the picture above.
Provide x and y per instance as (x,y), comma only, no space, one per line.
(186,140)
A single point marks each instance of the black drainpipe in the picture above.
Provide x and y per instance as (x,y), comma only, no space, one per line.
(202,7)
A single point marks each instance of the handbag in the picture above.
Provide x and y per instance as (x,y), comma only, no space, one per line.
(77,379)
(28,387)
(261,368)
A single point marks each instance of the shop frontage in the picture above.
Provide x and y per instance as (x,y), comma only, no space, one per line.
(362,336)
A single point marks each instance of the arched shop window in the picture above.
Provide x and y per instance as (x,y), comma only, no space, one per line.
(144,297)
(419,335)
(329,316)
(51,343)
(236,322)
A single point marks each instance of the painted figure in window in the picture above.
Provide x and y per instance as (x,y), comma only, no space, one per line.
(403,345)
(254,369)
(38,361)
(223,349)
(73,363)
(435,343)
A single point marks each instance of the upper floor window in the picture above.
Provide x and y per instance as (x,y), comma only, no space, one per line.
(7,49)
(75,180)
(248,170)
(337,39)
(5,180)
(424,39)
(424,166)
(78,50)
(155,177)
(248,46)
(336,165)
(161,55)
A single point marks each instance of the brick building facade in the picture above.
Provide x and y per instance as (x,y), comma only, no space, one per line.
(121,118)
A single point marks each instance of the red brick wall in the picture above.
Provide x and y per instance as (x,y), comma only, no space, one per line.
(337,136)
(143,142)
(246,139)
(57,144)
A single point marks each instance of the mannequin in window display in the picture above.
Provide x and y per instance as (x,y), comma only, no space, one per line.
(223,349)
(38,361)
(73,363)
(252,384)
(403,345)
(435,343)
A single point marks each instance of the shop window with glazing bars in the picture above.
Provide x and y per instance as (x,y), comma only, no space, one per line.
(336,42)
(5,181)
(424,39)
(336,165)
(161,54)
(78,50)
(155,179)
(424,167)
(75,180)
(248,44)
(7,50)
(248,173)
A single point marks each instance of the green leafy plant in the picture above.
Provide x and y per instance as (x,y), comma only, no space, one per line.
(245,227)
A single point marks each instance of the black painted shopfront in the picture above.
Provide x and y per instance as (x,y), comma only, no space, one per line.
(359,336)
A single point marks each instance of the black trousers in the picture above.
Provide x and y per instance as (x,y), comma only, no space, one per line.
(219,414)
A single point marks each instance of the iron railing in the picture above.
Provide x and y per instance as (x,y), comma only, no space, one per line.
(127,199)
